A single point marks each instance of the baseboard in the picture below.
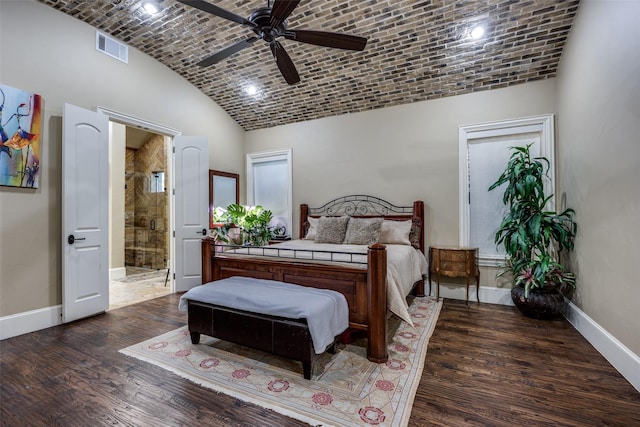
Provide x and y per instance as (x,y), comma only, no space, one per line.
(30,321)
(117,273)
(488,295)
(624,360)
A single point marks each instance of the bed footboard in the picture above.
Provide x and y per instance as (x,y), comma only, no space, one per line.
(365,290)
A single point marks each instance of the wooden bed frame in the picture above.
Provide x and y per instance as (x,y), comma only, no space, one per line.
(365,290)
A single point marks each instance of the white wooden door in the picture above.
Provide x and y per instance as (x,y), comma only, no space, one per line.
(85,209)
(191,208)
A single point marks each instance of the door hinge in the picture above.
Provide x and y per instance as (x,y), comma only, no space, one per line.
(174,276)
(174,233)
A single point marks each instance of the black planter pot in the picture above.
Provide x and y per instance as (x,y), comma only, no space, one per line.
(539,304)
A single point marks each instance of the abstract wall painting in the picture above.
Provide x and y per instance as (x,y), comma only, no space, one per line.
(20,137)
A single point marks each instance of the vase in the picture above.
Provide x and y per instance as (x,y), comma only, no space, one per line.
(547,304)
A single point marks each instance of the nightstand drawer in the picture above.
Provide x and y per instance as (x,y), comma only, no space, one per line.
(451,267)
(453,256)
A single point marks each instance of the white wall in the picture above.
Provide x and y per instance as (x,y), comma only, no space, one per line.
(54,55)
(599,153)
(401,154)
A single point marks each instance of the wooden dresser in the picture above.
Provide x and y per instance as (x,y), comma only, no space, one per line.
(454,261)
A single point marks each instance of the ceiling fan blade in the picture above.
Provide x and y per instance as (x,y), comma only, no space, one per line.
(218,11)
(284,62)
(323,38)
(226,52)
(281,10)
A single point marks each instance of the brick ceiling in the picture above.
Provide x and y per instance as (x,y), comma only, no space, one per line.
(417,50)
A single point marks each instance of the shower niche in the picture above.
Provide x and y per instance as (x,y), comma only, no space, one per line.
(146,206)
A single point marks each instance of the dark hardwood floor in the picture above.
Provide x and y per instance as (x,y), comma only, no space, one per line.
(487,365)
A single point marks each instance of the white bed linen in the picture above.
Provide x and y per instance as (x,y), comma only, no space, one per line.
(405,265)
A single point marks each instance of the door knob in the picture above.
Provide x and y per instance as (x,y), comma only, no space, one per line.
(204,231)
(72,239)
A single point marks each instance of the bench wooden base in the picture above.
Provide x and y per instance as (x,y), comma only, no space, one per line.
(284,337)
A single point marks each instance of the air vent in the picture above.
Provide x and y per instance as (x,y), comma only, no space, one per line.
(112,47)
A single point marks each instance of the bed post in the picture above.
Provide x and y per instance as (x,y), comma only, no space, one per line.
(418,212)
(377,304)
(304,212)
(207,247)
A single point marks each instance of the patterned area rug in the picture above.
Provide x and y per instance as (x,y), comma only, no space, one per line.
(345,389)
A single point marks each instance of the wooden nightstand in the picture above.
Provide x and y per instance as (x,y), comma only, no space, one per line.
(454,262)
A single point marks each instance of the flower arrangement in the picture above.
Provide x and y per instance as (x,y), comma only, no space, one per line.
(245,225)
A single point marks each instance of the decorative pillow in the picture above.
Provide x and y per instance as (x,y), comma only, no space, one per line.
(395,232)
(363,231)
(416,231)
(313,228)
(331,229)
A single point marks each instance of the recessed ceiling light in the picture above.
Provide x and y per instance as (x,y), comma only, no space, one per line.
(150,7)
(250,90)
(477,32)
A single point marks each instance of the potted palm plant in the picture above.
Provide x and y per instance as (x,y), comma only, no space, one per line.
(248,225)
(533,237)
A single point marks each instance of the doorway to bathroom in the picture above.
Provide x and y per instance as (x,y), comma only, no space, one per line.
(140,216)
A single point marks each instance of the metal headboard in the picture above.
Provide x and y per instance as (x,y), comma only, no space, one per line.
(360,205)
(363,205)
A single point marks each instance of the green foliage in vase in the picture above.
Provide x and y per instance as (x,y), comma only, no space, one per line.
(532,236)
(251,222)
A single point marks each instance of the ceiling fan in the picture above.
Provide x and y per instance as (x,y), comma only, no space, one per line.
(269,24)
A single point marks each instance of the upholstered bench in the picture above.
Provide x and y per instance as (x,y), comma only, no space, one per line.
(279,318)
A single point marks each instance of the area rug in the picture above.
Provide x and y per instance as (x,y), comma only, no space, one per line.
(345,388)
